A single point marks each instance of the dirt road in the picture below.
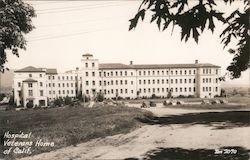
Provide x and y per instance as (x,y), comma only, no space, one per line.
(184,135)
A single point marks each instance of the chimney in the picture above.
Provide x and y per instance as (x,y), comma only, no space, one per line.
(131,62)
(196,61)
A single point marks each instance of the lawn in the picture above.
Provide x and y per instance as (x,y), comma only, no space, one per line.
(70,125)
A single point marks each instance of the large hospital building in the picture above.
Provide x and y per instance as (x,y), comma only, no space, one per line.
(41,85)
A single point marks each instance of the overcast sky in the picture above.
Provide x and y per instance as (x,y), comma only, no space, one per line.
(66,30)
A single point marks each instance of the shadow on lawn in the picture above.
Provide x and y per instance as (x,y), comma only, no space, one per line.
(218,120)
(194,154)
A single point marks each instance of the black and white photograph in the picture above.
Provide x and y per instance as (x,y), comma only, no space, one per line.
(124,80)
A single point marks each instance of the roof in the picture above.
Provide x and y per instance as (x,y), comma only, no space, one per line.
(154,66)
(30,69)
(87,54)
(29,80)
(51,71)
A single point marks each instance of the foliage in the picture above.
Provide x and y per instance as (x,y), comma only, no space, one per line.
(82,98)
(99,97)
(67,100)
(169,94)
(193,20)
(2,95)
(223,93)
(15,21)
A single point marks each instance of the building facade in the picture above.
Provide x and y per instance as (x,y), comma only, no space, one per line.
(39,86)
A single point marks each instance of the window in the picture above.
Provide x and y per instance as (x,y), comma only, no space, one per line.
(162,89)
(131,73)
(194,80)
(116,82)
(93,83)
(185,80)
(216,71)
(30,75)
(132,91)
(139,81)
(149,73)
(144,81)
(162,81)
(131,82)
(30,85)
(59,85)
(49,85)
(93,74)
(144,90)
(216,89)
(189,71)
(190,80)
(19,84)
(194,71)
(87,83)
(176,72)
(41,92)
(71,84)
(126,90)
(158,81)
(185,72)
(30,92)
(121,82)
(40,75)
(189,89)
(49,77)
(149,81)
(144,73)
(167,81)
(180,72)
(139,73)
(72,91)
(116,73)
(63,91)
(153,81)
(180,89)
(153,73)
(171,72)
(100,83)
(62,77)
(121,91)
(59,92)
(176,89)
(53,84)
(126,73)
(172,80)
(87,91)
(185,89)
(67,85)
(86,65)
(126,82)
(162,72)
(167,72)
(203,80)
(176,81)
(93,64)
(121,73)
(58,77)
(71,77)
(111,73)
(53,77)
(149,90)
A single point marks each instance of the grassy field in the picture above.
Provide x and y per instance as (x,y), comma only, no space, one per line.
(69,126)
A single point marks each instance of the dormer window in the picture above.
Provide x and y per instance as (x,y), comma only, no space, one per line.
(30,75)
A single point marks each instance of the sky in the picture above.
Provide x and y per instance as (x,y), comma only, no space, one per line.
(65,30)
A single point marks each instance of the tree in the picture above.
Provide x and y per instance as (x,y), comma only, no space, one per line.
(15,21)
(193,20)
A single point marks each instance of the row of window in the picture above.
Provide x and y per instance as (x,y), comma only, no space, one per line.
(209,89)
(209,71)
(209,80)
(162,81)
(172,72)
(60,84)
(62,92)
(181,89)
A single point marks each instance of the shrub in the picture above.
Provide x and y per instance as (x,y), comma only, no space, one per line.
(67,100)
(99,97)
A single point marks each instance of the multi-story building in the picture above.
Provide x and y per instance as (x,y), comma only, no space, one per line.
(38,85)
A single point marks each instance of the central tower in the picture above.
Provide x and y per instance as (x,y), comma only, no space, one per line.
(90,77)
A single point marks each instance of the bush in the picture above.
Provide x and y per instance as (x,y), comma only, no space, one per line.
(153,96)
(100,97)
(67,100)
(2,95)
